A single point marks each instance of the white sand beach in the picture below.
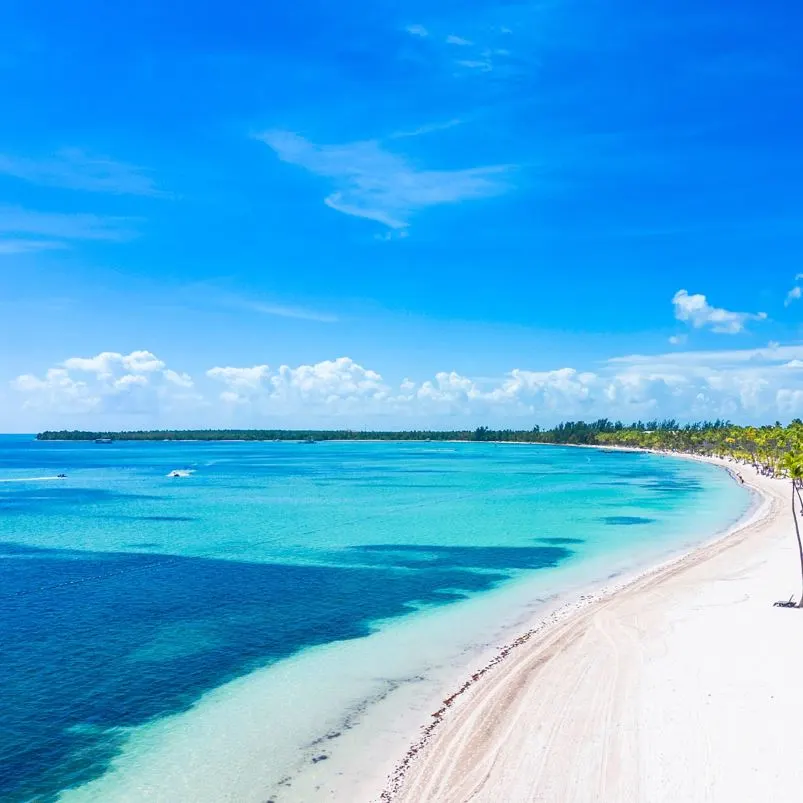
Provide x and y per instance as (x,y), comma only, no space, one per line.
(682,686)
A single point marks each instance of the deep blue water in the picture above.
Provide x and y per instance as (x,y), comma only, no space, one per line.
(125,594)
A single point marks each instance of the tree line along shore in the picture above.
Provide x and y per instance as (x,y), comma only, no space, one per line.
(773,448)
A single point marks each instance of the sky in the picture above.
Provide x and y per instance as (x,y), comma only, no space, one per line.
(373,214)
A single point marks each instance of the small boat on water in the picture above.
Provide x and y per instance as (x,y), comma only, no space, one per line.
(104,440)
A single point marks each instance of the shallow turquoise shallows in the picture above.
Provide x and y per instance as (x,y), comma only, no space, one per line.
(128,594)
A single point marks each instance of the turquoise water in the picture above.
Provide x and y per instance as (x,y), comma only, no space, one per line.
(128,594)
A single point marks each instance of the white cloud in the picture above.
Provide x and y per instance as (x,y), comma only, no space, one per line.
(373,183)
(107,362)
(334,385)
(417,30)
(56,390)
(457,40)
(75,169)
(137,384)
(696,311)
(240,380)
(448,387)
(677,340)
(182,380)
(129,380)
(328,379)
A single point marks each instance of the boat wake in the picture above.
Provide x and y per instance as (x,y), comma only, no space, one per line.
(30,479)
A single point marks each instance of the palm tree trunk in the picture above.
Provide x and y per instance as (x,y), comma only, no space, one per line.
(796,490)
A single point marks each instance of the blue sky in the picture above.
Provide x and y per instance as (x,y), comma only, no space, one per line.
(509,213)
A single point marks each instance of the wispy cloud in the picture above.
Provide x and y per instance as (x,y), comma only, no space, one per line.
(283,311)
(722,358)
(13,245)
(74,169)
(391,234)
(696,311)
(215,293)
(795,293)
(474,56)
(417,30)
(432,128)
(373,183)
(486,60)
(483,65)
(16,220)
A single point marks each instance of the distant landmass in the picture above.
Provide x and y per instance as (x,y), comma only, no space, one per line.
(579,432)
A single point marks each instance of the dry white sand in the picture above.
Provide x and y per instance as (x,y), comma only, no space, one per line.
(686,685)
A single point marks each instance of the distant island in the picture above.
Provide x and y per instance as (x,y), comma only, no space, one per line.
(767,446)
(569,432)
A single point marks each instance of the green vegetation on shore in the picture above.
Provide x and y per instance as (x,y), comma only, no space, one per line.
(772,449)
(768,447)
(578,432)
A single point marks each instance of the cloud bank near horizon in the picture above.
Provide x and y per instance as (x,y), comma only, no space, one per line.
(112,389)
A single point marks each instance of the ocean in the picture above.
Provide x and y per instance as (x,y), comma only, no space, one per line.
(280,615)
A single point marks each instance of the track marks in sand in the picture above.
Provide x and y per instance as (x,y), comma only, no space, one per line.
(546,728)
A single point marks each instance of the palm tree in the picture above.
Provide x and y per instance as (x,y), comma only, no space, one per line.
(793,463)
